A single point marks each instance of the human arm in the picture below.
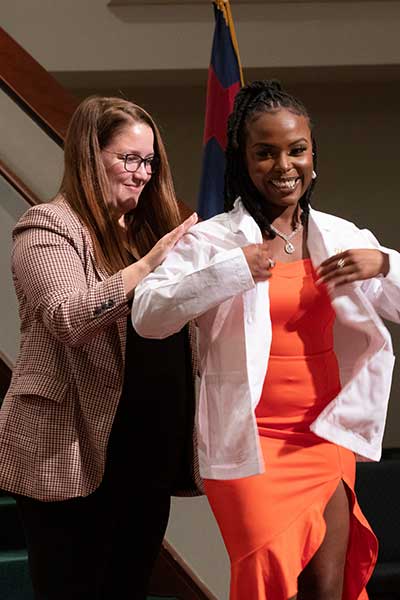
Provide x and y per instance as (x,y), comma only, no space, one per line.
(205,269)
(135,273)
(53,271)
(376,267)
(351,265)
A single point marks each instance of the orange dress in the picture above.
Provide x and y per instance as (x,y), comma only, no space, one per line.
(272,524)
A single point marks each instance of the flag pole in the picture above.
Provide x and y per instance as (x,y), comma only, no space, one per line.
(225,7)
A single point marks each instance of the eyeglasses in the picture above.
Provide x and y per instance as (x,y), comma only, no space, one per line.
(133,162)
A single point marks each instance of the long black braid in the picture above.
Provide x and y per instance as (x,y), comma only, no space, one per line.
(257,97)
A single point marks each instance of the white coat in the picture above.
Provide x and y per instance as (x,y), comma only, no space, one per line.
(206,277)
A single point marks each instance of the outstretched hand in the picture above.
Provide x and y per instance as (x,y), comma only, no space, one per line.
(259,261)
(353,265)
(167,242)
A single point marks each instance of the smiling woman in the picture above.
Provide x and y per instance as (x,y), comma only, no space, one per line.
(97,420)
(287,399)
(127,171)
(279,156)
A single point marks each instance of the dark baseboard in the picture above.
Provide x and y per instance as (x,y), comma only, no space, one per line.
(173,577)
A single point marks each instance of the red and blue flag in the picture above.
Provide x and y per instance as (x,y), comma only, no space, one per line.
(224,81)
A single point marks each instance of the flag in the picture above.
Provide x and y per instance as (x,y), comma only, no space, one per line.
(224,81)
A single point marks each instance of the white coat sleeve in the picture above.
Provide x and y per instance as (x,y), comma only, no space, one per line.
(197,275)
(384,292)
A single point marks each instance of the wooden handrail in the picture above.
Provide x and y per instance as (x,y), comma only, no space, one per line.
(18,184)
(184,584)
(36,91)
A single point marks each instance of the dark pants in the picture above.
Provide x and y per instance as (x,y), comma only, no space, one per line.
(104,546)
(100,547)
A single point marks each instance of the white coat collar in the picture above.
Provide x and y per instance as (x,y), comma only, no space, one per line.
(242,222)
(328,235)
(321,244)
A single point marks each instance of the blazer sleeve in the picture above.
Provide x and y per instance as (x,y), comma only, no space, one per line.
(200,273)
(384,292)
(48,269)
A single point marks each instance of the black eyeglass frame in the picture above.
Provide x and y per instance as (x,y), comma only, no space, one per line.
(152,163)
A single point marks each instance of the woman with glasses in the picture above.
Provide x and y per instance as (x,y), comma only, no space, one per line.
(96,428)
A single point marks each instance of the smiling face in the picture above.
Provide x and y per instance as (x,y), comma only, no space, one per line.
(279,157)
(126,187)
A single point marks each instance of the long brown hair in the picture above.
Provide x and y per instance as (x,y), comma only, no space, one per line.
(85,183)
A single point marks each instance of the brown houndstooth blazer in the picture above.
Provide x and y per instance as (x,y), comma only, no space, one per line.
(57,414)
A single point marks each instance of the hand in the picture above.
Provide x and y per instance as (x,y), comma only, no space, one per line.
(259,261)
(167,242)
(353,265)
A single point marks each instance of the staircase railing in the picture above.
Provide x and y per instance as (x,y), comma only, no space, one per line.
(18,184)
(34,90)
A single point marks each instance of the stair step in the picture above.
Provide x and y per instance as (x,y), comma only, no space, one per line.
(11,532)
(14,576)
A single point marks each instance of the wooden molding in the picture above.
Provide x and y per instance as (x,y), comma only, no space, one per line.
(185,210)
(18,185)
(172,576)
(36,91)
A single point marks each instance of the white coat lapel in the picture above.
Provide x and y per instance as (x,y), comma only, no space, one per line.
(361,346)
(242,223)
(329,236)
(319,240)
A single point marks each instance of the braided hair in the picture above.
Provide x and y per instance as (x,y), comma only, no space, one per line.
(257,97)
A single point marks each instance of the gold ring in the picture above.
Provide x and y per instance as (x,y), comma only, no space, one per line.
(340,263)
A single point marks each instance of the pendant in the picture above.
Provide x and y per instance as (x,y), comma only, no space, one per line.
(289,248)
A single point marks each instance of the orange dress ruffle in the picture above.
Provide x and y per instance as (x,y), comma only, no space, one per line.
(272,524)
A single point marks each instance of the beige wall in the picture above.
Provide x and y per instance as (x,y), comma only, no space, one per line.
(11,208)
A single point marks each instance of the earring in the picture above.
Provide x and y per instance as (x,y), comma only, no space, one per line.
(314,175)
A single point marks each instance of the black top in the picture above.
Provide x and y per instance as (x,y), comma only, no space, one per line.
(151,438)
